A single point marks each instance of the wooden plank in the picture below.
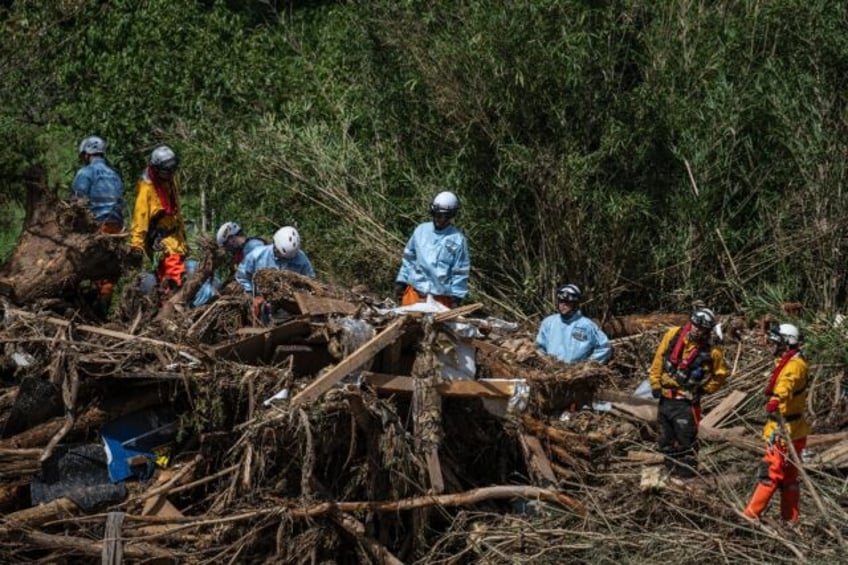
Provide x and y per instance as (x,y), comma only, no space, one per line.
(624,398)
(724,409)
(538,463)
(836,456)
(312,305)
(484,388)
(258,347)
(457,312)
(350,363)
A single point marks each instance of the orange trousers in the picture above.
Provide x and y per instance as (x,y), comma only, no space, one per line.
(411,296)
(106,287)
(171,268)
(778,471)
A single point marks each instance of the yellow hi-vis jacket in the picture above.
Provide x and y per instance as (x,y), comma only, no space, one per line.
(660,379)
(791,388)
(150,222)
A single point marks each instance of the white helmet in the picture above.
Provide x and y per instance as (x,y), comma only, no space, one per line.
(785,334)
(164,159)
(92,145)
(445,203)
(227,230)
(287,242)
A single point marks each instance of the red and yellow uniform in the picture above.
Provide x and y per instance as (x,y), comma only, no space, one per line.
(787,395)
(683,370)
(158,225)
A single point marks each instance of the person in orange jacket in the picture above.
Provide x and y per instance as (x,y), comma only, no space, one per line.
(158,225)
(686,366)
(786,394)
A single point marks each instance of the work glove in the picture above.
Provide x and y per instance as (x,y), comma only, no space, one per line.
(261,310)
(135,258)
(773,405)
(400,289)
(656,393)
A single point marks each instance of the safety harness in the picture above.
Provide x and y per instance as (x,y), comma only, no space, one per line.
(769,391)
(674,363)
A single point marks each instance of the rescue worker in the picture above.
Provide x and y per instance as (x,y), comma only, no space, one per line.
(103,190)
(569,335)
(283,254)
(230,237)
(158,225)
(435,260)
(786,397)
(686,366)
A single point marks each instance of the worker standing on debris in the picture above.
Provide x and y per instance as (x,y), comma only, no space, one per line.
(569,335)
(284,254)
(230,237)
(786,397)
(103,190)
(158,225)
(435,260)
(686,366)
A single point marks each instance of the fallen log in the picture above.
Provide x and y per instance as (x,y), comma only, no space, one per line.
(59,246)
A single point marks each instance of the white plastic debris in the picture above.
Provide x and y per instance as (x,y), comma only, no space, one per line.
(520,397)
(23,359)
(282,395)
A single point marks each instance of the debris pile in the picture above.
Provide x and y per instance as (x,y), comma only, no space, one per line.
(349,430)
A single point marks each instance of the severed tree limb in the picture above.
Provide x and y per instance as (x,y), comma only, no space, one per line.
(357,530)
(91,548)
(293,509)
(70,388)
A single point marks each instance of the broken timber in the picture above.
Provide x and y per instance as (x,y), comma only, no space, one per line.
(352,362)
(483,388)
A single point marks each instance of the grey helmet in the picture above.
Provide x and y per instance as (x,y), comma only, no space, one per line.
(704,319)
(164,159)
(227,230)
(569,293)
(785,334)
(92,145)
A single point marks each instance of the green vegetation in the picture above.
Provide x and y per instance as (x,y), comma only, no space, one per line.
(654,152)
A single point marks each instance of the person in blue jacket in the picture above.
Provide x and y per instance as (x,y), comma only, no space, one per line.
(230,237)
(569,335)
(283,254)
(102,189)
(435,260)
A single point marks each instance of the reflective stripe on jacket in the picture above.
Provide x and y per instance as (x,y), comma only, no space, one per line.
(573,338)
(98,183)
(436,262)
(791,388)
(149,210)
(264,258)
(659,378)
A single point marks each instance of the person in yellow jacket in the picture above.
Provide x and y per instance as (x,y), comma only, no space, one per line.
(686,366)
(158,225)
(786,394)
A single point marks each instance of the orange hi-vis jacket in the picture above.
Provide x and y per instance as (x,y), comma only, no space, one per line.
(158,211)
(790,387)
(660,379)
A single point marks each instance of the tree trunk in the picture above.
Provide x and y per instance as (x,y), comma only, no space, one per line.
(59,246)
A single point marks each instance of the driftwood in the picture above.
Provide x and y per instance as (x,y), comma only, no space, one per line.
(59,247)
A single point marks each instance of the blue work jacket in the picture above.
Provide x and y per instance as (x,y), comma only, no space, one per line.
(264,258)
(573,338)
(212,285)
(436,262)
(98,183)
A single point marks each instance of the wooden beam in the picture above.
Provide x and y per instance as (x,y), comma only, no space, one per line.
(724,409)
(350,363)
(311,305)
(457,312)
(538,464)
(484,388)
(260,346)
